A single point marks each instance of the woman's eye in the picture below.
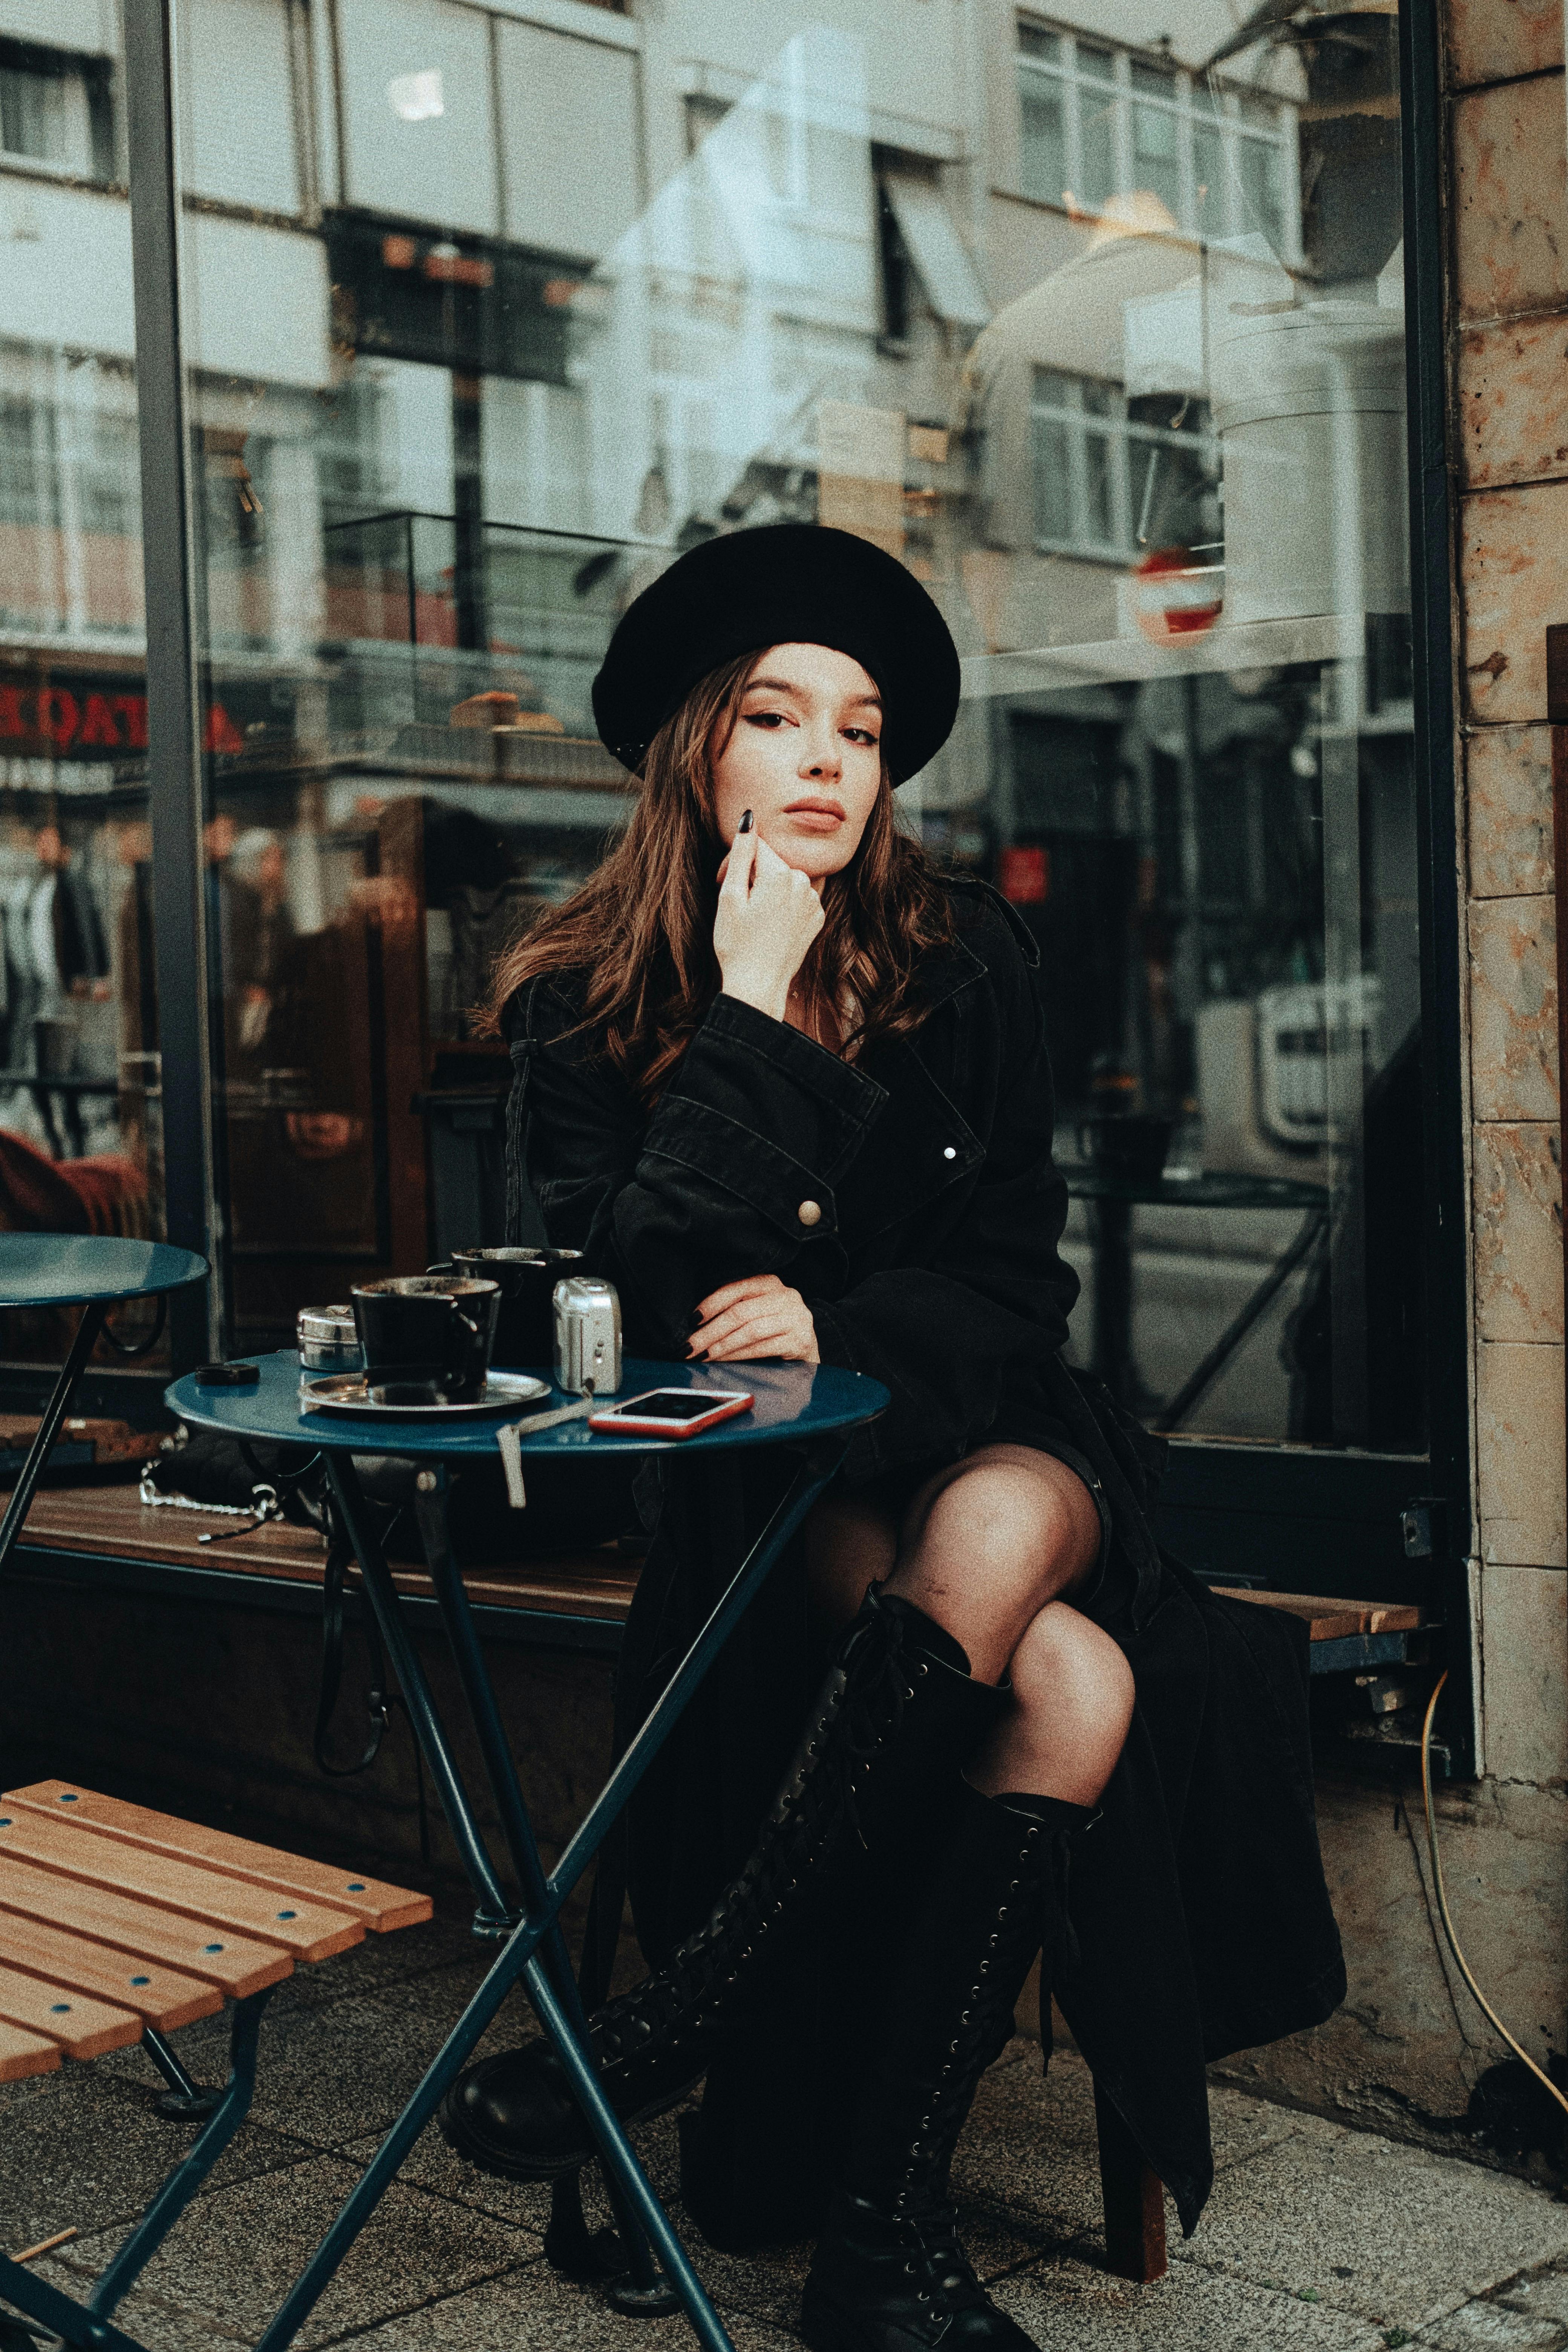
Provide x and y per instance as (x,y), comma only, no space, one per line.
(764,717)
(861,735)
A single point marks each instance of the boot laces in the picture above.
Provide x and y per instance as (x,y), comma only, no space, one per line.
(944,2276)
(865,1707)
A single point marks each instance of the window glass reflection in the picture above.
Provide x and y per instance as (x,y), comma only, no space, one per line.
(80,1138)
(1105,342)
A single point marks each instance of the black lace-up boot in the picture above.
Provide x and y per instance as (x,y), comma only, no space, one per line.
(889,2275)
(896,1718)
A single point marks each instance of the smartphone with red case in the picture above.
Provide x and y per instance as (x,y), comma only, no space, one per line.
(670,1412)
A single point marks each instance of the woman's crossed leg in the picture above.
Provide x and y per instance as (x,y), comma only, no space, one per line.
(993,1549)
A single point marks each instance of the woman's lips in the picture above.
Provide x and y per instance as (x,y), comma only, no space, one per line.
(814,817)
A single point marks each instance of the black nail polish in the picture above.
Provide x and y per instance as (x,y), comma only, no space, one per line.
(745,823)
(695,1320)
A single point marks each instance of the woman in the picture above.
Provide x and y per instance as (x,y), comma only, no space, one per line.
(788,1089)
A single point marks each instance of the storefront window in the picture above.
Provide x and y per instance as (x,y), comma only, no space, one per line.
(80,1141)
(1100,331)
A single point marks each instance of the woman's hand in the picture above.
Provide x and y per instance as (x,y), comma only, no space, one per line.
(768,916)
(759,1317)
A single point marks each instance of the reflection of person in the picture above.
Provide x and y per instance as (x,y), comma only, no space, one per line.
(789,1090)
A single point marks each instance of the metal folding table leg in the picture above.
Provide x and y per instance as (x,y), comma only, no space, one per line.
(382,1594)
(650,2294)
(516,1958)
(55,1411)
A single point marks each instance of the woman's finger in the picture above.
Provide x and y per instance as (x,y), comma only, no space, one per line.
(754,1339)
(739,865)
(739,1318)
(730,1294)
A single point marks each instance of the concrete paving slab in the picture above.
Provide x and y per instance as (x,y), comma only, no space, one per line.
(1545,2296)
(1492,2328)
(1386,2231)
(1066,2306)
(235,2255)
(92,2153)
(532,2307)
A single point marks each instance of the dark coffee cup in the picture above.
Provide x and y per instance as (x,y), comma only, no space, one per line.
(427,1331)
(1128,1145)
(525,1329)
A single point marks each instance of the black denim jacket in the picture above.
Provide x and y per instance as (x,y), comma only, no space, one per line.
(911,1196)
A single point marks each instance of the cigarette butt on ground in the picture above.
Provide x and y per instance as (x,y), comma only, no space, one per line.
(45,2245)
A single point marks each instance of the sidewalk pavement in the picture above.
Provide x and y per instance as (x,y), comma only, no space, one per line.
(1317,2238)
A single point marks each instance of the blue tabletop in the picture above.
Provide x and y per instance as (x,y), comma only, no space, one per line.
(792,1401)
(74,1269)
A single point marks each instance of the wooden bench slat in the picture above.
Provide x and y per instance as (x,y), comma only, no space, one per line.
(83,2027)
(310,1931)
(1329,1618)
(380,1905)
(160,1997)
(238,1965)
(23,2053)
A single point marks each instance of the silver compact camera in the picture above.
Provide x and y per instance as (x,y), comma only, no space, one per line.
(587,1336)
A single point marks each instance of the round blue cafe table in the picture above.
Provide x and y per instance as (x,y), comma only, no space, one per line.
(95,1272)
(810,1412)
(793,1402)
(83,1269)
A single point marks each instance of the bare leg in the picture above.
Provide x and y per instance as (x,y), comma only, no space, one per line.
(988,1549)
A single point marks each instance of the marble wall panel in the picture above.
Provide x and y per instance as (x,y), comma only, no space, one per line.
(1510,199)
(1513,1009)
(1513,402)
(1524,1671)
(1517,1205)
(1507,797)
(1493,40)
(1519,1463)
(1514,584)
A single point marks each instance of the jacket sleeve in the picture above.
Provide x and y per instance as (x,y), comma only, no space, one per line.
(953,1339)
(755,1122)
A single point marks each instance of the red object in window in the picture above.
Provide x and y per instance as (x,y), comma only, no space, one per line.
(1173,597)
(1023,875)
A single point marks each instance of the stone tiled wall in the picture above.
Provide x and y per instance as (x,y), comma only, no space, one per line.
(1509,349)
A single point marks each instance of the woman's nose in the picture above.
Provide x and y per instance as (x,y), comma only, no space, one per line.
(822,760)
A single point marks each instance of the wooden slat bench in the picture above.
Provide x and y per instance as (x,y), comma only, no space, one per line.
(118,1925)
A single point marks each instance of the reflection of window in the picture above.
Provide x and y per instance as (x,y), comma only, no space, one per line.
(28,482)
(1097,122)
(54,108)
(1115,476)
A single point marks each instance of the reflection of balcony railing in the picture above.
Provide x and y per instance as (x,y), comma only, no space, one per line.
(428,609)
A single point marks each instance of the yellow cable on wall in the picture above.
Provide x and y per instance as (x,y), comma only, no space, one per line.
(1463,1965)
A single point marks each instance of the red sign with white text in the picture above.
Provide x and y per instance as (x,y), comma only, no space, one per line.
(89,718)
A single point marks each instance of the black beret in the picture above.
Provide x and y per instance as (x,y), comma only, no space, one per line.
(784,583)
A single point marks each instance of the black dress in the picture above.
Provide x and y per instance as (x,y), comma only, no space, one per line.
(928,1253)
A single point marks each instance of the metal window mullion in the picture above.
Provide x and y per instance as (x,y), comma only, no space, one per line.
(1072,102)
(1122,165)
(174,702)
(1186,160)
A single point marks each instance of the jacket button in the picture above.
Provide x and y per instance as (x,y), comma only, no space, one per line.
(809,1212)
(949,1151)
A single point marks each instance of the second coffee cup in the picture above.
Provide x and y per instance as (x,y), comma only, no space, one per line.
(525,1329)
(429,1331)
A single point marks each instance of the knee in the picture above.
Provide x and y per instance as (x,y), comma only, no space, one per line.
(1009,1521)
(1065,1667)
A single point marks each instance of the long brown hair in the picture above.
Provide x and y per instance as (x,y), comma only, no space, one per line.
(641,926)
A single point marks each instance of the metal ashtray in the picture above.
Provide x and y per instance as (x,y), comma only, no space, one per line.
(329,1341)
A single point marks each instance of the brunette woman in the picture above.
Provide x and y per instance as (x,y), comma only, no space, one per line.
(787,1087)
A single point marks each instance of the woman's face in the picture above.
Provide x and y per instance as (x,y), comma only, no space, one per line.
(805,757)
